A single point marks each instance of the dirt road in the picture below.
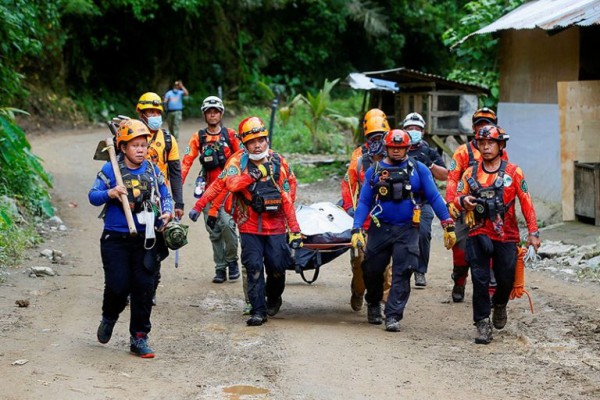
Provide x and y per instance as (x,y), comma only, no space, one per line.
(315,348)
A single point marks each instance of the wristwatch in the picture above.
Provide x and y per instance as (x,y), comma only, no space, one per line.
(536,234)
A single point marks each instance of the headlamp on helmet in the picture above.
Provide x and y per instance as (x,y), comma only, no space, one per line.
(413,119)
(148,101)
(484,114)
(252,128)
(396,138)
(491,132)
(212,102)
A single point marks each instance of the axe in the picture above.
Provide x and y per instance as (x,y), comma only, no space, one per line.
(108,146)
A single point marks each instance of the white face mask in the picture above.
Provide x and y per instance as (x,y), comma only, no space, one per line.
(260,156)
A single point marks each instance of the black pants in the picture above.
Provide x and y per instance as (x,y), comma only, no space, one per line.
(401,244)
(260,253)
(124,274)
(480,252)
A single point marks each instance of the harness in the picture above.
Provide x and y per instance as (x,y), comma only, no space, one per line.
(472,160)
(266,195)
(212,155)
(490,199)
(140,188)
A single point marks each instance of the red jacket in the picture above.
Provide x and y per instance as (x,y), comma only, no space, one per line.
(238,181)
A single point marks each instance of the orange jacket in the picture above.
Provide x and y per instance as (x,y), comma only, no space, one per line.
(237,181)
(193,150)
(458,166)
(353,181)
(515,186)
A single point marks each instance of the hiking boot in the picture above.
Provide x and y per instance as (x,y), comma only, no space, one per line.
(356,302)
(247,309)
(484,331)
(374,314)
(105,330)
(256,320)
(392,324)
(499,316)
(273,308)
(420,279)
(458,293)
(220,276)
(139,346)
(234,270)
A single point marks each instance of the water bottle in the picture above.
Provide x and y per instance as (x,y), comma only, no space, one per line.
(200,186)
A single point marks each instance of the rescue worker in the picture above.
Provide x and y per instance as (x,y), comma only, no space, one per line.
(164,152)
(390,195)
(488,192)
(414,125)
(464,156)
(128,268)
(375,125)
(263,210)
(174,102)
(213,146)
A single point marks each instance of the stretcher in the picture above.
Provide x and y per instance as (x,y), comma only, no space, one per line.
(326,231)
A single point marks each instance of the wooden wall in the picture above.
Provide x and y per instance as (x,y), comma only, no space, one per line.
(531,62)
(579,110)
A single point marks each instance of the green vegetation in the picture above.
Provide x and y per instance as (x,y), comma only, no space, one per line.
(310,174)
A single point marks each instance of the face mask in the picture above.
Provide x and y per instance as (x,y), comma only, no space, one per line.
(154,123)
(375,145)
(257,157)
(415,136)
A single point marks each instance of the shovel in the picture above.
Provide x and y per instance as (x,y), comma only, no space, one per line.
(105,151)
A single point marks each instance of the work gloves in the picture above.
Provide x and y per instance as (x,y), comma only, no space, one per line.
(194,214)
(470,218)
(453,210)
(449,233)
(211,222)
(259,172)
(296,240)
(358,239)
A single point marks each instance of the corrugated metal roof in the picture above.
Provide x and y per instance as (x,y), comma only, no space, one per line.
(406,75)
(547,15)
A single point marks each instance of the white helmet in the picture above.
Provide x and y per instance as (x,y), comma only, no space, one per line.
(212,102)
(413,119)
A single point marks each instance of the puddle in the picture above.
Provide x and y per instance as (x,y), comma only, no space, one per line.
(235,392)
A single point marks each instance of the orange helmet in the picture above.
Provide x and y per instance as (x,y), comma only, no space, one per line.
(130,129)
(252,128)
(376,124)
(149,100)
(491,132)
(396,138)
(373,112)
(486,114)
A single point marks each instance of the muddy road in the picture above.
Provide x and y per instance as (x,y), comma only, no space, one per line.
(315,348)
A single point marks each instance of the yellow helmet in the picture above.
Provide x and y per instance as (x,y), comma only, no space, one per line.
(149,100)
(373,112)
(130,129)
(376,124)
(252,128)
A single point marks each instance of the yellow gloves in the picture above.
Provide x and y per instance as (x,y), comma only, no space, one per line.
(470,218)
(296,240)
(453,210)
(358,239)
(449,233)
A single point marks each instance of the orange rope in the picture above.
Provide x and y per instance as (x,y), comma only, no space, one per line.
(519,282)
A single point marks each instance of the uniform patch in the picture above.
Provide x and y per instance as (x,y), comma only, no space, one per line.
(507,180)
(460,186)
(346,177)
(187,150)
(452,165)
(524,186)
(233,171)
(286,186)
(222,174)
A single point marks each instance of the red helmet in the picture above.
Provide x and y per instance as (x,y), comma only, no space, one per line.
(396,138)
(491,132)
(486,114)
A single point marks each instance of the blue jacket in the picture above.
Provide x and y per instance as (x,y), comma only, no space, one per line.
(400,212)
(114,219)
